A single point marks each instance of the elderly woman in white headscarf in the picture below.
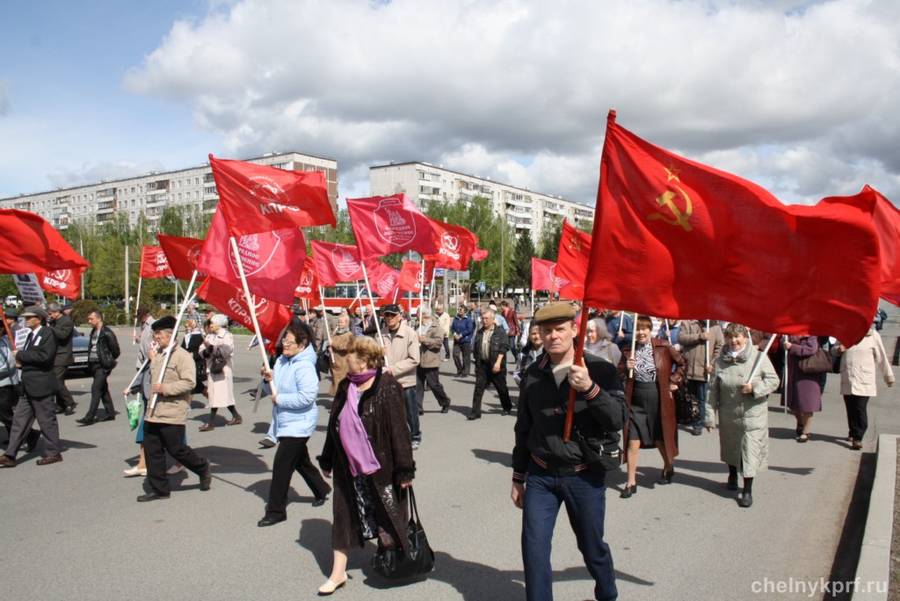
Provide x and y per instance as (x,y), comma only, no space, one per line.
(599,343)
(218,349)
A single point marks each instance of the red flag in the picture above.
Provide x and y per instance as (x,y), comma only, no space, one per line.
(64,282)
(677,238)
(32,245)
(887,225)
(572,261)
(383,279)
(543,275)
(455,245)
(336,263)
(384,225)
(411,277)
(256,198)
(272,260)
(154,263)
(308,287)
(479,254)
(272,316)
(182,254)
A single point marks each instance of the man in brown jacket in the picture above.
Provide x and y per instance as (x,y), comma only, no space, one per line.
(431,337)
(164,423)
(693,337)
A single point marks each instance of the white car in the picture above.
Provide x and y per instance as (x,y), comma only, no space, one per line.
(12,301)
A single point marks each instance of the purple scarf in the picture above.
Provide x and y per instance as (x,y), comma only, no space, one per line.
(353,434)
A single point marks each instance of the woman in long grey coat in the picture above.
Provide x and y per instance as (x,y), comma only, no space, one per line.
(742,409)
(219,386)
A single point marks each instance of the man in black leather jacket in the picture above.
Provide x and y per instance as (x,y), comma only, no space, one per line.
(103,350)
(489,347)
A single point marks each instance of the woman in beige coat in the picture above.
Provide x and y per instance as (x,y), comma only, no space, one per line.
(217,346)
(340,348)
(859,366)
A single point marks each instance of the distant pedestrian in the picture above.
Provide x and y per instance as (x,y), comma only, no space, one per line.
(64,329)
(218,350)
(463,329)
(490,347)
(401,346)
(103,351)
(431,335)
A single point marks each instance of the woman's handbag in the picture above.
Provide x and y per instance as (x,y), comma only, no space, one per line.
(819,363)
(396,563)
(687,406)
(217,362)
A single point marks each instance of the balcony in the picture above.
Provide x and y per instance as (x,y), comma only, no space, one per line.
(157,200)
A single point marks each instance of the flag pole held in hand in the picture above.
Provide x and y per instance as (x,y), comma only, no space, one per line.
(578,360)
(759,358)
(188,299)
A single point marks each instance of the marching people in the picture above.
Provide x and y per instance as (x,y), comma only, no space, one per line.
(599,343)
(164,430)
(548,471)
(36,360)
(103,350)
(700,348)
(10,385)
(295,387)
(530,352)
(513,330)
(446,322)
(142,384)
(804,394)
(192,342)
(742,408)
(368,454)
(490,348)
(859,367)
(401,346)
(463,328)
(340,347)
(431,337)
(218,349)
(650,381)
(64,329)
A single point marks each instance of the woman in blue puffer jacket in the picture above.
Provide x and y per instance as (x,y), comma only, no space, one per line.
(294,418)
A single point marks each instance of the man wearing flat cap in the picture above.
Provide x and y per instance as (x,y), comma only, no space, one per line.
(35,359)
(402,357)
(548,471)
(64,329)
(164,421)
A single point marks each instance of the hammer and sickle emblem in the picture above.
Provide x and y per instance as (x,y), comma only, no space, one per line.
(667,199)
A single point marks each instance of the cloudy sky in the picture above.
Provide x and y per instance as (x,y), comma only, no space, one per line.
(802,97)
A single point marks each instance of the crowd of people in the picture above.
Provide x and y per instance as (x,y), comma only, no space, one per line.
(641,377)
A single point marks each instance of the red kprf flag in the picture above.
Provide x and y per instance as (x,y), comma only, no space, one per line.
(455,245)
(887,224)
(572,261)
(308,287)
(384,225)
(182,254)
(256,198)
(411,277)
(676,238)
(272,316)
(154,263)
(543,275)
(272,261)
(336,263)
(30,244)
(63,282)
(383,279)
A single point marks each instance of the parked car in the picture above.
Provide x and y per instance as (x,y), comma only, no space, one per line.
(80,343)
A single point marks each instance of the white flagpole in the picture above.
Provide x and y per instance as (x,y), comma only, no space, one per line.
(325,319)
(706,366)
(421,290)
(633,338)
(250,303)
(784,386)
(759,358)
(374,313)
(188,299)
(396,292)
(137,305)
(431,287)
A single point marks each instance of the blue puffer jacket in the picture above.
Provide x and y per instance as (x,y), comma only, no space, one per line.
(464,327)
(297,387)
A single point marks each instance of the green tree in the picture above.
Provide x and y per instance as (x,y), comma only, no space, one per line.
(549,244)
(171,222)
(521,261)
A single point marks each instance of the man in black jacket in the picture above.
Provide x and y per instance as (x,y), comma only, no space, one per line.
(35,358)
(63,329)
(548,471)
(490,347)
(103,350)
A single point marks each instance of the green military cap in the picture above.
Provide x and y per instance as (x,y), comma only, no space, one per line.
(558,311)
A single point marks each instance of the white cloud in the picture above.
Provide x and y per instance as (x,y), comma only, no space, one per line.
(92,172)
(800,94)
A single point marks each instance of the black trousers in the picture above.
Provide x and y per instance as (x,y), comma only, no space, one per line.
(462,357)
(100,391)
(29,409)
(63,396)
(432,377)
(484,374)
(292,454)
(162,438)
(8,399)
(896,360)
(446,347)
(857,415)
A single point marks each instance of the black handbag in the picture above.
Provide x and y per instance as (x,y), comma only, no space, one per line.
(398,564)
(687,406)
(217,362)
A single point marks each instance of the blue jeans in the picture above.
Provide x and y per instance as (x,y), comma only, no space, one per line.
(699,389)
(412,413)
(585,497)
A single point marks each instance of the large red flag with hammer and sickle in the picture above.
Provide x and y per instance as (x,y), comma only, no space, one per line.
(543,275)
(572,261)
(63,282)
(455,245)
(31,244)
(676,238)
(182,254)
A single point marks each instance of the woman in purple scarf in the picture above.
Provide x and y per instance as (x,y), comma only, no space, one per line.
(369,452)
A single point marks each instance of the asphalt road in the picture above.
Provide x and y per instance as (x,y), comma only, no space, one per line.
(73,531)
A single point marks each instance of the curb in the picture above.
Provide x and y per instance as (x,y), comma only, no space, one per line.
(873,568)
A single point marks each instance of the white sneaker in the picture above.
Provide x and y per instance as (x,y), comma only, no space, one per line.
(175,469)
(135,471)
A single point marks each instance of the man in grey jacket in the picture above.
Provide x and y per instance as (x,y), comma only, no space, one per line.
(401,350)
(431,338)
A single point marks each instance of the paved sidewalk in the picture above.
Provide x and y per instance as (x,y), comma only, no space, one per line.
(73,531)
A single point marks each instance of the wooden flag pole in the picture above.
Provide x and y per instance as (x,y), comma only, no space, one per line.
(251,305)
(188,299)
(759,358)
(374,313)
(578,360)
(137,306)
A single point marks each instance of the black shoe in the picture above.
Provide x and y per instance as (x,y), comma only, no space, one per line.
(109,418)
(473,417)
(269,521)
(666,476)
(151,496)
(732,483)
(319,502)
(506,412)
(86,421)
(696,431)
(421,412)
(628,491)
(70,410)
(445,409)
(31,441)
(58,410)
(266,443)
(745,500)
(206,479)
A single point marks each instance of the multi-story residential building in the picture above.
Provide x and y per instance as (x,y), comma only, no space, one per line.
(526,210)
(151,193)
